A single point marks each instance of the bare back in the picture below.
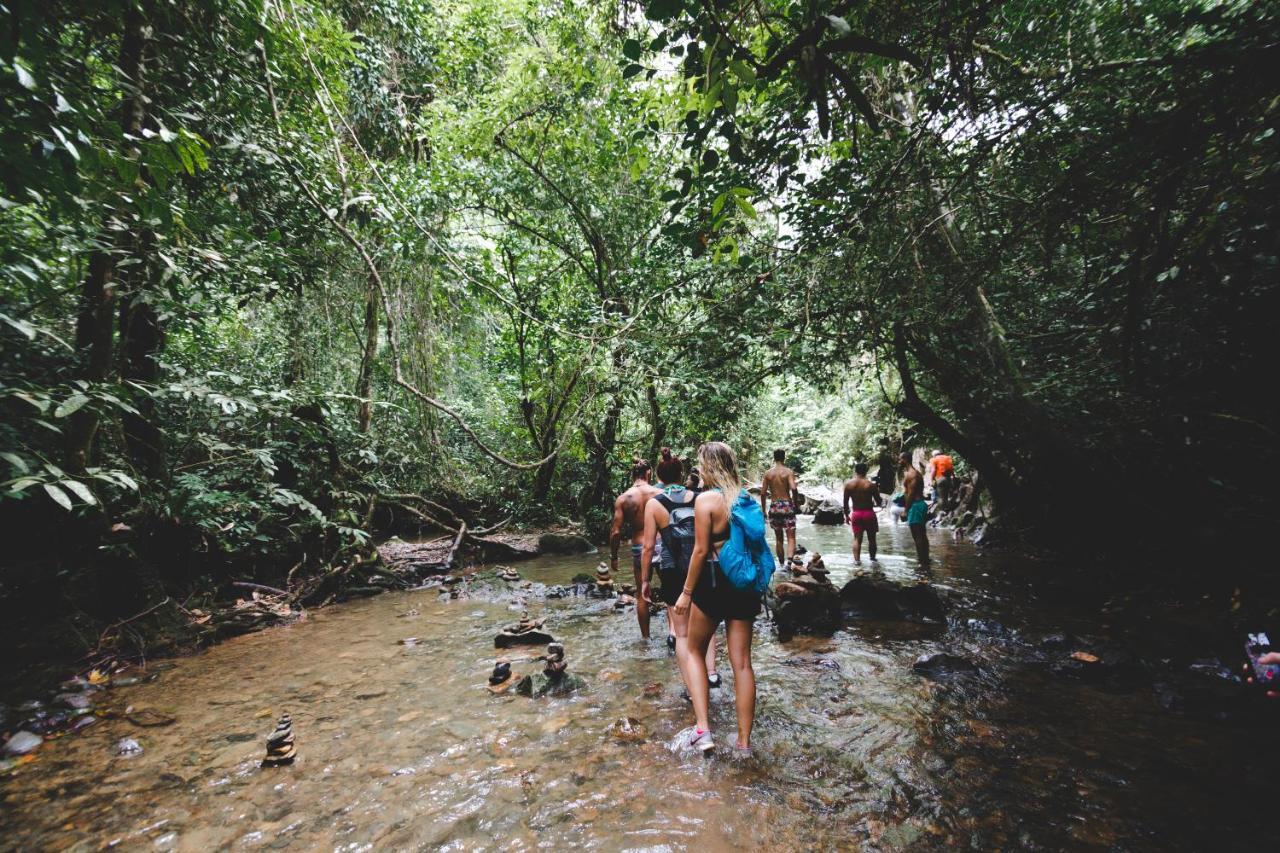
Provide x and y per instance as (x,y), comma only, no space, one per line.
(628,510)
(779,483)
(913,485)
(861,493)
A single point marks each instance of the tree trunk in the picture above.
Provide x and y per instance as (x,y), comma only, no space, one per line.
(94,339)
(601,456)
(659,428)
(96,321)
(141,341)
(364,383)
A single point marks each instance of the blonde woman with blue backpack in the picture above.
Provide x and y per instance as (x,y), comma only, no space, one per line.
(729,571)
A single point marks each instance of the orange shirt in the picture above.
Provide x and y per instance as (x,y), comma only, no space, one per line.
(942,466)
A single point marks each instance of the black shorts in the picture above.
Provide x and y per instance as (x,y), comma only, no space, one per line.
(672,584)
(721,600)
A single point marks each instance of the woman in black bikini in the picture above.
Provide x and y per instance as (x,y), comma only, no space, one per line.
(673,554)
(710,599)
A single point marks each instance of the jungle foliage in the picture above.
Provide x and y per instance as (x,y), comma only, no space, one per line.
(281,276)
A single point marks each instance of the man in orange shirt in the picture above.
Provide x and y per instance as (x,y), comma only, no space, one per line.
(943,470)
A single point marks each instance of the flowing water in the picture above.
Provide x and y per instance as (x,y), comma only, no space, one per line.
(403,747)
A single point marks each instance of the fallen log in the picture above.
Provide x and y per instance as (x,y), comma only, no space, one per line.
(447,565)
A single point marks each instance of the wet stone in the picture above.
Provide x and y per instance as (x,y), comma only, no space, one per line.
(943,665)
(627,729)
(149,718)
(526,632)
(83,722)
(22,743)
(873,596)
(128,747)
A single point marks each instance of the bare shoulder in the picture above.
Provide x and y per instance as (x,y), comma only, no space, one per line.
(710,499)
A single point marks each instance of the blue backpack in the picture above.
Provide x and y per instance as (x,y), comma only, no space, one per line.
(746,559)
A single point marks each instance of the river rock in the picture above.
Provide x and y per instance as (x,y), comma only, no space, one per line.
(627,729)
(22,743)
(128,747)
(873,596)
(564,543)
(149,718)
(539,684)
(805,604)
(829,512)
(74,701)
(943,665)
(812,497)
(526,632)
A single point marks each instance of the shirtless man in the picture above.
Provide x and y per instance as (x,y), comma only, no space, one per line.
(861,497)
(628,510)
(917,508)
(783,495)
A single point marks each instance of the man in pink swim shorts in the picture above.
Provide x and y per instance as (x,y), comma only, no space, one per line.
(861,497)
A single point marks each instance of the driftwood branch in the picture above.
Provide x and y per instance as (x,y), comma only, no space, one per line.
(447,565)
(259,587)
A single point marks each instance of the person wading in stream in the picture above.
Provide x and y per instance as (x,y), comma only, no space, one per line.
(628,512)
(779,487)
(861,497)
(709,598)
(669,534)
(943,470)
(917,508)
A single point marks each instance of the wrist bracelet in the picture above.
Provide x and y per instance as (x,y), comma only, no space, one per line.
(688,592)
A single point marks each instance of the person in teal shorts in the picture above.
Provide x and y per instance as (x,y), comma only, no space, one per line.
(917,508)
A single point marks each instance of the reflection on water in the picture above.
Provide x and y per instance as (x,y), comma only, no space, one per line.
(401,746)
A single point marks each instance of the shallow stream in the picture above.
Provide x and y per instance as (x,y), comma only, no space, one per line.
(402,747)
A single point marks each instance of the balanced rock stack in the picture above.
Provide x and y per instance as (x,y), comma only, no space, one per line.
(508,574)
(556,663)
(554,680)
(525,632)
(817,568)
(604,580)
(280,749)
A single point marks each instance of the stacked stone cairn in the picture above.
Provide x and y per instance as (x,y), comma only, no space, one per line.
(280,748)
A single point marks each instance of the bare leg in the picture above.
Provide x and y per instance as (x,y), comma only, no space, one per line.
(680,627)
(701,630)
(871,544)
(791,542)
(857,546)
(778,548)
(744,677)
(711,654)
(642,606)
(922,544)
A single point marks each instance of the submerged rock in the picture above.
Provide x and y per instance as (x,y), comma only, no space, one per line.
(627,729)
(74,701)
(539,684)
(943,665)
(22,743)
(873,596)
(149,718)
(128,747)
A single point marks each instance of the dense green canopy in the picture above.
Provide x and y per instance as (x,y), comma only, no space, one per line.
(279,275)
